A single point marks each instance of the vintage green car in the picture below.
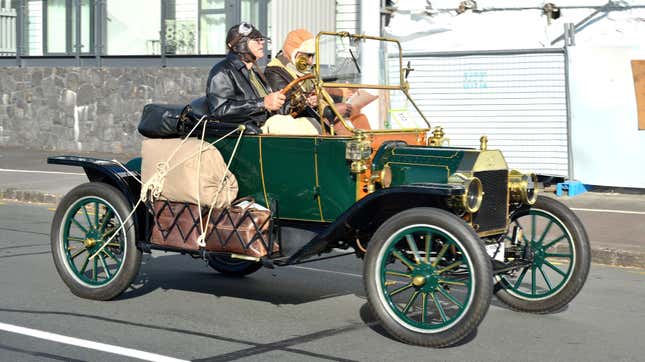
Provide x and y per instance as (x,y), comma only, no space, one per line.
(439,228)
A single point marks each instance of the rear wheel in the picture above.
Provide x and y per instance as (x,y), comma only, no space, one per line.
(555,242)
(427,277)
(233,267)
(94,255)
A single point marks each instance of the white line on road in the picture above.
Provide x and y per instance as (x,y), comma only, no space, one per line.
(36,171)
(328,271)
(610,211)
(133,353)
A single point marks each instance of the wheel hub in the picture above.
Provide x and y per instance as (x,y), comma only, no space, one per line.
(419,281)
(89,242)
(425,278)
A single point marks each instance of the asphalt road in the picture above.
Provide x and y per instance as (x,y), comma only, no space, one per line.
(180,308)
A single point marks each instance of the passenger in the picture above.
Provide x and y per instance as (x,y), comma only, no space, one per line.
(282,69)
(236,90)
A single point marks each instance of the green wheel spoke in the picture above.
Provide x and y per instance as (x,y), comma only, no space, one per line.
(547,246)
(107,252)
(450,267)
(404,259)
(450,297)
(397,291)
(452,282)
(521,277)
(76,254)
(533,222)
(398,274)
(533,280)
(424,307)
(83,229)
(555,268)
(96,214)
(443,250)
(546,230)
(559,255)
(428,244)
(546,279)
(413,297)
(74,238)
(107,271)
(94,271)
(413,247)
(106,217)
(82,271)
(87,216)
(439,307)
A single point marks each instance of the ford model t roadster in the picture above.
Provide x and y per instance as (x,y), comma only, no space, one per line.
(439,228)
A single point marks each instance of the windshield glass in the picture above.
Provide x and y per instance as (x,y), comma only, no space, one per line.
(366,74)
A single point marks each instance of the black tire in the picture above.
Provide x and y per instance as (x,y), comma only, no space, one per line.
(233,267)
(119,261)
(574,260)
(442,229)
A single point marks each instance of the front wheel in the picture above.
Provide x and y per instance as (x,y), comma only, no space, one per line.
(94,255)
(427,277)
(555,243)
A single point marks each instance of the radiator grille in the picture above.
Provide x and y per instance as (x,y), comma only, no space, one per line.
(492,214)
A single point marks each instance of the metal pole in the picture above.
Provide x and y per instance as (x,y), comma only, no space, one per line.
(77,31)
(20,27)
(162,33)
(567,91)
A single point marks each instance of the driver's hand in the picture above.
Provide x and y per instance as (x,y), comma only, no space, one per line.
(273,101)
(312,100)
(345,109)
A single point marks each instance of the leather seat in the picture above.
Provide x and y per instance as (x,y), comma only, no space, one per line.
(200,108)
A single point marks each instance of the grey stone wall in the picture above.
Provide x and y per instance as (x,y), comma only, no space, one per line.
(87,109)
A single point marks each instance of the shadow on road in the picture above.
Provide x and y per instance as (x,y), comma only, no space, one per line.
(276,286)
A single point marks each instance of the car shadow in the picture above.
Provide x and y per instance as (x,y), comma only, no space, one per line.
(282,285)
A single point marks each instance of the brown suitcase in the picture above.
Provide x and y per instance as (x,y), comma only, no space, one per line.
(241,231)
(232,229)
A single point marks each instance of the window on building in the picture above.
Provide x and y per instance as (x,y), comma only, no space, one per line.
(7,28)
(133,27)
(51,27)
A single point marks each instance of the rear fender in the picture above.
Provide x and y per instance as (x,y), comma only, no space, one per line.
(109,172)
(366,215)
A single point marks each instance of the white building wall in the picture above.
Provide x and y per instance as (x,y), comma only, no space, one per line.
(287,15)
(607,147)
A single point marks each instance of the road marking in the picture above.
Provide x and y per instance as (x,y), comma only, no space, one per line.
(327,271)
(84,343)
(610,211)
(49,172)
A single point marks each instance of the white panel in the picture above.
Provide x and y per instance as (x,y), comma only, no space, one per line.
(607,147)
(518,101)
(288,15)
(348,16)
(35,27)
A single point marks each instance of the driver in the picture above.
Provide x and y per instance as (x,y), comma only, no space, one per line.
(236,90)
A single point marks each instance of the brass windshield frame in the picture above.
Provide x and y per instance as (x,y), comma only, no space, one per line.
(321,85)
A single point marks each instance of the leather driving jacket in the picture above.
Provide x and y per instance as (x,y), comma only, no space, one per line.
(230,95)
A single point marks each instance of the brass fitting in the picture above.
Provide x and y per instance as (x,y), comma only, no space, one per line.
(522,187)
(483,143)
(437,139)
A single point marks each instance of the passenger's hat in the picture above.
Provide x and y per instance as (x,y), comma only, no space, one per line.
(298,41)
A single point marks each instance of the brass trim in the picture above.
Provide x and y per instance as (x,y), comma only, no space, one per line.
(428,156)
(244,257)
(319,196)
(491,232)
(490,160)
(264,188)
(359,85)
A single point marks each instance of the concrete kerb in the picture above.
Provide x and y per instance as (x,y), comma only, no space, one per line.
(12,194)
(599,255)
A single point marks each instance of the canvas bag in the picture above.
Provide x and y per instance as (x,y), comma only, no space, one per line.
(185,182)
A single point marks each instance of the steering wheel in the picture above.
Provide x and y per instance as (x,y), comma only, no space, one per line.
(298,97)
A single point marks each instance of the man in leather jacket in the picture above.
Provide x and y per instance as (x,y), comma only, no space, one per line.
(236,90)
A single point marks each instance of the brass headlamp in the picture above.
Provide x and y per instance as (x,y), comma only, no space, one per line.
(522,187)
(473,195)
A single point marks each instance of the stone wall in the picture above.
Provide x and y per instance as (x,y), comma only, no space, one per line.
(87,109)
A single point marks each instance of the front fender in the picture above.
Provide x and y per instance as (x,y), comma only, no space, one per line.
(363,218)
